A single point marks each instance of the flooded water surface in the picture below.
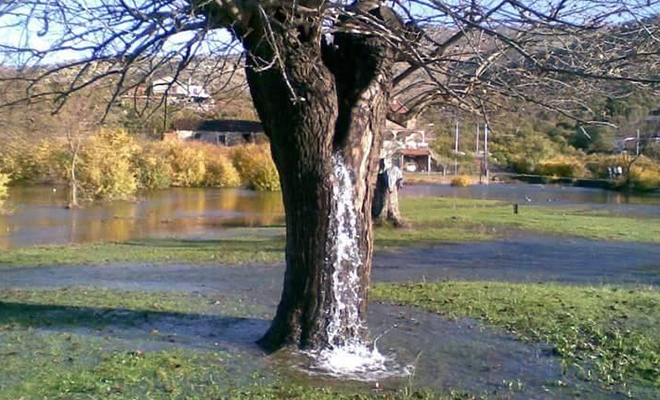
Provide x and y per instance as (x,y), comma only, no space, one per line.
(38,215)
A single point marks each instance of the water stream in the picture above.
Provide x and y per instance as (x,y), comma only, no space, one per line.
(348,355)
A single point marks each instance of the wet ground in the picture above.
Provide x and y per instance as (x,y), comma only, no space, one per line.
(519,258)
(526,258)
(459,355)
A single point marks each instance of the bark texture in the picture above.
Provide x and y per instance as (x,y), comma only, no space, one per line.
(319,102)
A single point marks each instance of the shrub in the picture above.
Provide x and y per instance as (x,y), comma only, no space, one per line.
(522,165)
(106,170)
(566,167)
(220,172)
(643,179)
(153,167)
(256,167)
(188,165)
(461,181)
(32,163)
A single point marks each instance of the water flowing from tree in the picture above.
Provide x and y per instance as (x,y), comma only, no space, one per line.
(348,355)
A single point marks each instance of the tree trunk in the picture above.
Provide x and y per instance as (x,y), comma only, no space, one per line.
(73,181)
(323,114)
(385,207)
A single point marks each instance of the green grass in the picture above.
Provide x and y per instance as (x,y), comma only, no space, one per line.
(235,251)
(471,215)
(607,334)
(64,344)
(172,374)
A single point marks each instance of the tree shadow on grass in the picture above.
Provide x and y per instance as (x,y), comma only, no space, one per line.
(219,332)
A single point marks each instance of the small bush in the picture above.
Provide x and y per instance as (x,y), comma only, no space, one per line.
(188,165)
(106,168)
(644,180)
(564,167)
(220,172)
(522,165)
(461,181)
(256,167)
(153,167)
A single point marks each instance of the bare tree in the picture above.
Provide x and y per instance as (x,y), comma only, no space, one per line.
(321,75)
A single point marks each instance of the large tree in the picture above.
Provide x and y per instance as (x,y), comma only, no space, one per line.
(321,75)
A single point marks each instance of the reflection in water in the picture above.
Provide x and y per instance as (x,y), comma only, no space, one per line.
(38,216)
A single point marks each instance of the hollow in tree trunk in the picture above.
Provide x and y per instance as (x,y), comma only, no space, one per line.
(323,111)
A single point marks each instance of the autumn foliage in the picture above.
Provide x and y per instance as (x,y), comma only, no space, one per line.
(112,164)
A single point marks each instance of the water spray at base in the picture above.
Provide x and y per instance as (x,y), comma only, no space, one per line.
(348,356)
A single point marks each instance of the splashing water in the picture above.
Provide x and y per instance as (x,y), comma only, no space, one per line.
(348,356)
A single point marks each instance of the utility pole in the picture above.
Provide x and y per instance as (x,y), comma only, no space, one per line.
(165,113)
(456,151)
(486,152)
(476,142)
(638,142)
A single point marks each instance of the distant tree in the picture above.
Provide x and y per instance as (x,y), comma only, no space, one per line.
(321,75)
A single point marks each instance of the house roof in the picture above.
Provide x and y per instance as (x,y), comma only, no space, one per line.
(219,125)
(415,152)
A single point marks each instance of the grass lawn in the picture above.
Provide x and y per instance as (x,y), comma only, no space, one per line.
(68,344)
(235,251)
(609,334)
(468,214)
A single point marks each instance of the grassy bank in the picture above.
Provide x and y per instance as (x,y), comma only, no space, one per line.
(607,334)
(236,251)
(471,215)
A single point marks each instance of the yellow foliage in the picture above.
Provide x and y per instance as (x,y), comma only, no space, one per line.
(461,181)
(188,165)
(153,166)
(220,172)
(644,179)
(256,167)
(33,163)
(106,167)
(564,167)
